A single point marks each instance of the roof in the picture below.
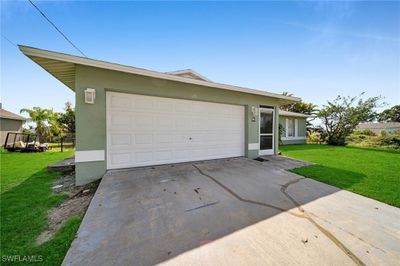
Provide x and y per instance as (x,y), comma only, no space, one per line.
(62,67)
(9,115)
(188,73)
(379,125)
(287,113)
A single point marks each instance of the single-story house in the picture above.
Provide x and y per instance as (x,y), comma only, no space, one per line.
(388,127)
(130,117)
(9,122)
(294,127)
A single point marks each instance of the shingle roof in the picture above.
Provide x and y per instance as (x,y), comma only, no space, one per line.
(379,125)
(9,115)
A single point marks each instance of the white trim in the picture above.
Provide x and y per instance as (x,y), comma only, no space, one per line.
(266,152)
(287,113)
(45,54)
(89,156)
(254,146)
(296,128)
(294,138)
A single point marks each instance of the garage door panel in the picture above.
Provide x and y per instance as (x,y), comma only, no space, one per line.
(141,139)
(121,139)
(144,130)
(119,102)
(143,122)
(120,159)
(143,103)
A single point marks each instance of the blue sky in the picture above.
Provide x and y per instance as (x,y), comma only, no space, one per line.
(315,50)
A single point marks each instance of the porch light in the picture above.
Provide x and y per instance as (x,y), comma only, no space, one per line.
(90,95)
(253,113)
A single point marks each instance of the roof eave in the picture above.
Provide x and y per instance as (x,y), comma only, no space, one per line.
(35,52)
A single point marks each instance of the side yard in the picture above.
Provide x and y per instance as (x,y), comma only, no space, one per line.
(26,197)
(368,172)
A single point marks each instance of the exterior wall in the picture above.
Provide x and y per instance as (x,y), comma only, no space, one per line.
(91,118)
(9,125)
(301,131)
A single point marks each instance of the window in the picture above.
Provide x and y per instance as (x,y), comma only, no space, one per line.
(291,128)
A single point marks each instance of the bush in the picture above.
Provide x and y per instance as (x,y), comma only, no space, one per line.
(366,132)
(355,138)
(390,140)
(314,137)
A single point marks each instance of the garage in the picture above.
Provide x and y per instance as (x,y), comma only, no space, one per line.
(128,116)
(146,130)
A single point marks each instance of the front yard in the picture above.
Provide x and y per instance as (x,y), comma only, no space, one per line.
(368,172)
(26,197)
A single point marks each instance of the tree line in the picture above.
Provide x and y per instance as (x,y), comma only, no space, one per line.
(50,125)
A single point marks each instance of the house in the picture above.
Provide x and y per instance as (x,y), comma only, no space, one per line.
(294,127)
(388,127)
(9,122)
(130,117)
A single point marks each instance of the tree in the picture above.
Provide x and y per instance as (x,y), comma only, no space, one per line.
(299,107)
(341,116)
(390,115)
(67,119)
(55,128)
(38,116)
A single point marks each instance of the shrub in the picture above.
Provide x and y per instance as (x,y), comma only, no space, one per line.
(366,132)
(390,140)
(314,137)
(384,140)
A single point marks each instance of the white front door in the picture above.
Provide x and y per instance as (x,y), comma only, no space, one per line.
(146,130)
(266,131)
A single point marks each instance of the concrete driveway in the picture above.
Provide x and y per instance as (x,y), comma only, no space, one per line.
(232,212)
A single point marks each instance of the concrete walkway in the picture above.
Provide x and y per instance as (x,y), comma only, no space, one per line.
(232,212)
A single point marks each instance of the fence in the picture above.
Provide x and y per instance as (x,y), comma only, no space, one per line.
(64,142)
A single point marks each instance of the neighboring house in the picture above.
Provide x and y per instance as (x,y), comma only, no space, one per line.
(295,127)
(388,127)
(129,117)
(9,122)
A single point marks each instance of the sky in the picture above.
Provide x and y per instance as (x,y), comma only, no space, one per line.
(315,50)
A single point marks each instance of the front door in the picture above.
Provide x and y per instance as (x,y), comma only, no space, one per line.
(266,131)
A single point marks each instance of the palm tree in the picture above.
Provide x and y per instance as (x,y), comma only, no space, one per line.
(39,116)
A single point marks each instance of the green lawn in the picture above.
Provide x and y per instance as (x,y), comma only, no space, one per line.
(369,172)
(25,198)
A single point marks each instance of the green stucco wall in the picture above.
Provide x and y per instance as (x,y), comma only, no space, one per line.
(91,118)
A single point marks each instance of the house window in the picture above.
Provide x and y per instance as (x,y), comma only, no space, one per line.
(291,129)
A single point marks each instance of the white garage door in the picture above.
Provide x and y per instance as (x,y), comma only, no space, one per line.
(145,130)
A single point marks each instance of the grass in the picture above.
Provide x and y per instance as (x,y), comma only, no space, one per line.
(25,198)
(369,172)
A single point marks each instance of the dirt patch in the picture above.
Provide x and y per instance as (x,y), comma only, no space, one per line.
(76,203)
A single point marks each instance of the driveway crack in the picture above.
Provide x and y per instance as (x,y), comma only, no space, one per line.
(304,214)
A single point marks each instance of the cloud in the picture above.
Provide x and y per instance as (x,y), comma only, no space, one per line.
(330,30)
